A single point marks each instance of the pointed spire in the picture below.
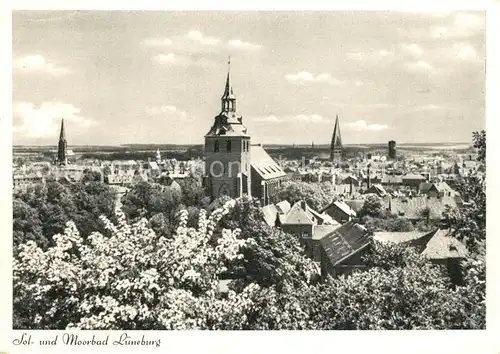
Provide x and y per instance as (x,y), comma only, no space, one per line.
(228,90)
(62,135)
(228,99)
(336,148)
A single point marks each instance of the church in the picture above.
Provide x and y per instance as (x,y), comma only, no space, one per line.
(234,166)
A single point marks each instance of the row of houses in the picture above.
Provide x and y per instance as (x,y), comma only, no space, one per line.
(335,241)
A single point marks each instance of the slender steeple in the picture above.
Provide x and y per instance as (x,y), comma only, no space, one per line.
(228,100)
(62,135)
(62,151)
(336,148)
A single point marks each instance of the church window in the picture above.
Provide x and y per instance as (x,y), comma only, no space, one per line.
(228,145)
(216,146)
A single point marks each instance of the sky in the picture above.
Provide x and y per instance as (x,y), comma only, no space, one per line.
(121,77)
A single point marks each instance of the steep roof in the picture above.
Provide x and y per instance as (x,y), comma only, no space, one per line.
(344,241)
(263,164)
(355,204)
(269,214)
(321,231)
(298,215)
(442,245)
(342,206)
(283,207)
(398,237)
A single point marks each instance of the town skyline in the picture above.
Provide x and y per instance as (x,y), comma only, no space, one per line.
(424,83)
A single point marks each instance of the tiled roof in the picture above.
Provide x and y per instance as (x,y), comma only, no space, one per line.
(413,176)
(283,207)
(442,246)
(391,179)
(355,204)
(344,241)
(425,187)
(411,208)
(228,124)
(263,164)
(398,237)
(321,231)
(269,213)
(298,216)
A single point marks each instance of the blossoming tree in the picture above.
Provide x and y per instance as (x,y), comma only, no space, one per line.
(132,279)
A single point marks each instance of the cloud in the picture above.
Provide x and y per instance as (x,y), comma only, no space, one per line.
(241,45)
(165,109)
(37,63)
(304,76)
(307,118)
(171,59)
(372,56)
(413,49)
(362,125)
(268,119)
(158,42)
(421,66)
(199,37)
(310,118)
(465,52)
(463,25)
(44,120)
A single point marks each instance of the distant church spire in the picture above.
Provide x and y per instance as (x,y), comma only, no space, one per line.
(62,151)
(228,100)
(336,148)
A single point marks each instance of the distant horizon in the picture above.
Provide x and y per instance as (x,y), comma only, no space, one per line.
(268,144)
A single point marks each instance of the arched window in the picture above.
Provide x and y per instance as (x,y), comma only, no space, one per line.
(228,145)
(216,146)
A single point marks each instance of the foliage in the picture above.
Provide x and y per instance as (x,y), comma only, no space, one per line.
(401,290)
(130,280)
(469,222)
(312,193)
(373,207)
(273,258)
(392,224)
(43,210)
(479,143)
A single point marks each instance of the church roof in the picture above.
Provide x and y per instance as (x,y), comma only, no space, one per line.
(263,164)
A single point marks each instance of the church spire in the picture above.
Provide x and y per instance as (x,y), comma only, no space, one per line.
(62,135)
(228,100)
(336,148)
(62,151)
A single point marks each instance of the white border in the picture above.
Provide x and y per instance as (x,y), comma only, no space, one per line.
(289,342)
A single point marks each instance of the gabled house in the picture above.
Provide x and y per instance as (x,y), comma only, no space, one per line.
(341,250)
(340,211)
(437,189)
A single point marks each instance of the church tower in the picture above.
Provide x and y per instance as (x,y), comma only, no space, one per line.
(62,150)
(227,150)
(336,149)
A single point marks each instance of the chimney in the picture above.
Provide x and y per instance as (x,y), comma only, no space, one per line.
(303,205)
